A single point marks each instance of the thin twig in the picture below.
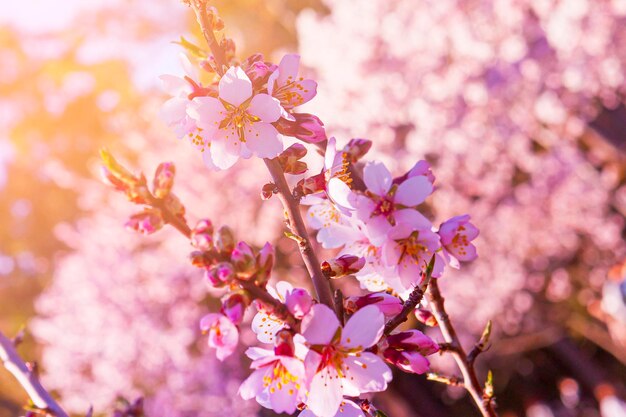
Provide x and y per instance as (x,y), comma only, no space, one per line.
(27,379)
(297,226)
(453,380)
(206,25)
(413,301)
(482,401)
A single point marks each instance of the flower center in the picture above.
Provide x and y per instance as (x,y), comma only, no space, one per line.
(238,118)
(411,247)
(280,378)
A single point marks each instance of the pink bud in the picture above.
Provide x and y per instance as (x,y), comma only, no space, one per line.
(425,317)
(357,148)
(411,362)
(220,274)
(224,240)
(413,340)
(306,127)
(283,343)
(223,334)
(163,179)
(312,185)
(387,303)
(265,262)
(342,266)
(243,258)
(234,306)
(202,235)
(298,302)
(147,222)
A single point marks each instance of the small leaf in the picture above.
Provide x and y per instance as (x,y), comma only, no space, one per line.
(193,49)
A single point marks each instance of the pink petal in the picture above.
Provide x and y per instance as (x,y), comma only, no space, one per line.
(413,191)
(266,107)
(225,148)
(340,193)
(377,227)
(410,271)
(283,397)
(349,409)
(264,140)
(235,86)
(413,218)
(252,385)
(174,110)
(175,86)
(364,328)
(320,325)
(288,67)
(331,151)
(417,363)
(325,393)
(306,89)
(255,353)
(336,236)
(366,373)
(208,159)
(208,112)
(390,253)
(377,178)
(282,289)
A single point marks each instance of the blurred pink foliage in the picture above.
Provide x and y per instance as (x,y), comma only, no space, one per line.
(495,95)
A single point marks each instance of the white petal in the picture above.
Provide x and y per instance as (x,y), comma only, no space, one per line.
(235,86)
(364,328)
(325,393)
(265,107)
(340,193)
(366,373)
(252,385)
(377,178)
(319,325)
(264,140)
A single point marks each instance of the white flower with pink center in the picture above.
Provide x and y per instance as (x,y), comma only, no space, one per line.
(238,123)
(291,90)
(223,334)
(278,381)
(337,363)
(408,251)
(386,204)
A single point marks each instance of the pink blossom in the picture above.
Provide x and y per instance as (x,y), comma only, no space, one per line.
(337,362)
(347,408)
(291,90)
(385,204)
(407,350)
(223,334)
(298,302)
(456,235)
(408,251)
(388,304)
(278,381)
(237,123)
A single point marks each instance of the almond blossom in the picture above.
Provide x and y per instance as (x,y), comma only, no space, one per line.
(347,408)
(237,123)
(291,90)
(337,362)
(223,334)
(456,235)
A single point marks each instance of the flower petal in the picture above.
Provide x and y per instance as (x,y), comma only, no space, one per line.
(377,178)
(288,68)
(340,193)
(235,86)
(252,385)
(225,148)
(264,140)
(413,191)
(266,107)
(208,112)
(320,325)
(366,373)
(325,393)
(363,329)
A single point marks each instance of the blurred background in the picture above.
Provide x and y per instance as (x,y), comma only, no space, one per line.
(518,105)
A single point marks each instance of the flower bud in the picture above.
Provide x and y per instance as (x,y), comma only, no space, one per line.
(268,191)
(298,302)
(243,258)
(387,303)
(234,306)
(311,185)
(173,204)
(306,127)
(289,159)
(412,340)
(357,148)
(411,362)
(163,179)
(147,222)
(265,262)
(425,317)
(220,274)
(283,343)
(202,235)
(135,187)
(342,266)
(224,240)
(201,259)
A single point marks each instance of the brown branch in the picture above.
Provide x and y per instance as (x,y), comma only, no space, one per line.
(453,380)
(297,226)
(482,401)
(27,379)
(413,301)
(206,25)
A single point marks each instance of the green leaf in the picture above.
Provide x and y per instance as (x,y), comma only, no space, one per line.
(193,49)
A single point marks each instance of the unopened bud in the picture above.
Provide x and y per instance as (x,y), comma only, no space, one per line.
(202,259)
(264,262)
(298,302)
(426,317)
(220,274)
(342,266)
(283,343)
(163,179)
(289,159)
(147,222)
(388,304)
(243,258)
(268,191)
(357,148)
(412,340)
(311,185)
(202,235)
(412,362)
(306,127)
(224,240)
(234,306)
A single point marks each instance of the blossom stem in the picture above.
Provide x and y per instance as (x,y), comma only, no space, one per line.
(27,379)
(170,218)
(204,20)
(297,226)
(413,301)
(471,384)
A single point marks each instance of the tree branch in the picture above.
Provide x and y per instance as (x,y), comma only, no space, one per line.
(205,22)
(27,379)
(482,401)
(297,226)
